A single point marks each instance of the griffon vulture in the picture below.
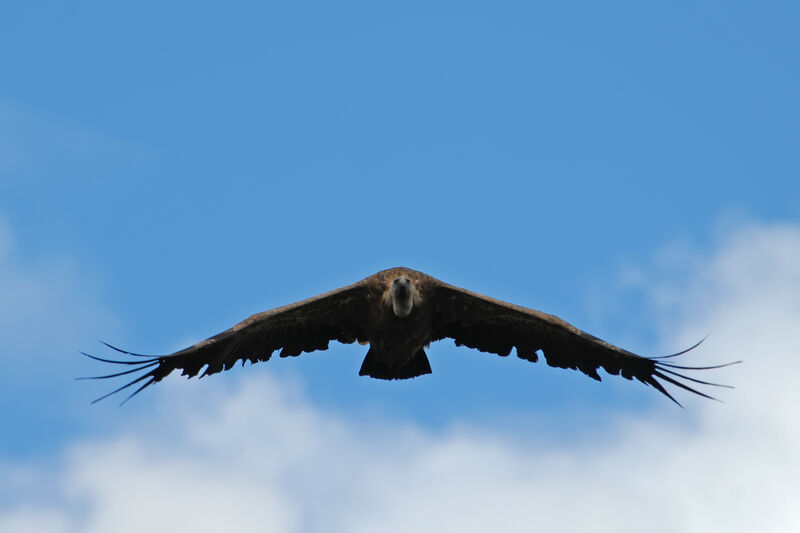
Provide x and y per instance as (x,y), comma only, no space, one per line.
(399,312)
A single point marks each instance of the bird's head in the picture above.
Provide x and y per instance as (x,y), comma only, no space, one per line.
(402,291)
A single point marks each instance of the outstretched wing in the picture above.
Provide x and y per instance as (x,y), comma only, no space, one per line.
(491,325)
(301,327)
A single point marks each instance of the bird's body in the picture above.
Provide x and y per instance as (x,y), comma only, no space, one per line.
(399,312)
(401,326)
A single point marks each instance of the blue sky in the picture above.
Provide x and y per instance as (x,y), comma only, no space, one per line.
(168,170)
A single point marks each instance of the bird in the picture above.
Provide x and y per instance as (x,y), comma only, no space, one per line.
(398,312)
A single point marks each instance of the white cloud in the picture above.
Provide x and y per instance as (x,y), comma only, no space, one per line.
(263,458)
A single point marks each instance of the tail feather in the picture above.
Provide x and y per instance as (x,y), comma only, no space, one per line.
(375,366)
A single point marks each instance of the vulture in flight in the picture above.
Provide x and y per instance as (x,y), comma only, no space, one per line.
(399,312)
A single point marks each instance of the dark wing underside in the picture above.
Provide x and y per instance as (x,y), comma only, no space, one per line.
(302,327)
(491,325)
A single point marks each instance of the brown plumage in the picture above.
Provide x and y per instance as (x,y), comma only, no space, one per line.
(399,312)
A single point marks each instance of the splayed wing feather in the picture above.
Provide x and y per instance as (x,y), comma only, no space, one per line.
(682,385)
(120,350)
(700,381)
(713,367)
(676,354)
(137,380)
(140,389)
(131,371)
(116,362)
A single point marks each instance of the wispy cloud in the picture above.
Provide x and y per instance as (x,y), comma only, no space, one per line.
(45,302)
(262,457)
(49,306)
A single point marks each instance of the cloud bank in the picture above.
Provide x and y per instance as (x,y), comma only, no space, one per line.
(263,458)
